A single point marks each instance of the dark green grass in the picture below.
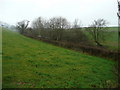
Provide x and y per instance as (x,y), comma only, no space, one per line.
(28,63)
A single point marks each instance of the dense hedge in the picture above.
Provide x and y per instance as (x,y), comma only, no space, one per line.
(92,50)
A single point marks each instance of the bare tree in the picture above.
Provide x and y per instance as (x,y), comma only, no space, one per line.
(118,9)
(97,29)
(58,24)
(118,16)
(39,25)
(22,26)
(76,23)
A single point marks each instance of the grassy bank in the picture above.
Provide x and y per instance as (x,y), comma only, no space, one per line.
(28,63)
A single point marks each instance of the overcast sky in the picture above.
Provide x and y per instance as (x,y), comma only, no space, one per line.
(87,11)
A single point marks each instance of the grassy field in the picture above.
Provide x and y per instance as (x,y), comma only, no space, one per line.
(28,63)
(111,38)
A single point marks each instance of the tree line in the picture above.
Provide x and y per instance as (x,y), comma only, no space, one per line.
(60,29)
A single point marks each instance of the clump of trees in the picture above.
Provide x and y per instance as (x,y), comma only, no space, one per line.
(60,29)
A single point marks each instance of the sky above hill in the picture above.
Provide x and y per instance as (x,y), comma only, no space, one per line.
(87,11)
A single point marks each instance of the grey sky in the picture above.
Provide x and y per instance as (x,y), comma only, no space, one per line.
(13,11)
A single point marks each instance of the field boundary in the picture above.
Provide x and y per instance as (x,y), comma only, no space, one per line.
(103,52)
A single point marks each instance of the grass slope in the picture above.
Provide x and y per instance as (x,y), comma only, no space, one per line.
(28,63)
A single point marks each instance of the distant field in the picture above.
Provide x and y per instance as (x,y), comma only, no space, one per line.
(28,63)
(113,28)
(111,38)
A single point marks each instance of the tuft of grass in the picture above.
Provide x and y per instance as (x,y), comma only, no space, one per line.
(28,63)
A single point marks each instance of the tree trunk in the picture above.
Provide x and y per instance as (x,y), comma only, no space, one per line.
(98,44)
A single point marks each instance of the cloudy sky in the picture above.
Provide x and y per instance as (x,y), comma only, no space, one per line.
(87,11)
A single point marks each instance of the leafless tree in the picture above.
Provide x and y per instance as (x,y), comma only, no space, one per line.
(118,9)
(58,24)
(39,25)
(118,16)
(96,30)
(22,26)
(76,23)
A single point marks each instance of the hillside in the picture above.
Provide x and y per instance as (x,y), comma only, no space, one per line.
(28,63)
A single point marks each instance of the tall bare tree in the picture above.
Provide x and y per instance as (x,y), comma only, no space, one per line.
(76,23)
(39,25)
(118,16)
(58,24)
(96,30)
(118,9)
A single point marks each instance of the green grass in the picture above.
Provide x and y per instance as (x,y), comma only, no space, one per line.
(111,38)
(28,63)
